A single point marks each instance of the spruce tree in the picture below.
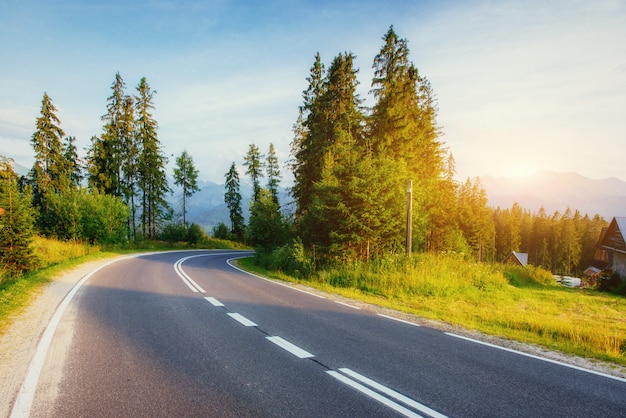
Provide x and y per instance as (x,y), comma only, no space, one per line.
(403,127)
(232,198)
(50,164)
(107,150)
(186,176)
(74,169)
(273,173)
(254,168)
(152,179)
(16,223)
(308,144)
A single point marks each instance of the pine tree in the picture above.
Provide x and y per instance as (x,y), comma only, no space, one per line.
(266,230)
(273,173)
(50,164)
(232,198)
(152,179)
(186,176)
(403,127)
(74,169)
(254,168)
(308,145)
(130,161)
(16,223)
(107,152)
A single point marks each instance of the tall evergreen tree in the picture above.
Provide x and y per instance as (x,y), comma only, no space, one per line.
(16,223)
(403,127)
(308,145)
(232,198)
(254,168)
(107,150)
(130,161)
(273,173)
(152,179)
(186,176)
(48,171)
(74,169)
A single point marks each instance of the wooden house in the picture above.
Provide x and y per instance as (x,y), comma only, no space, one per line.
(610,255)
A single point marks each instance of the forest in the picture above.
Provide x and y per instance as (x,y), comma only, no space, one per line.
(351,165)
(348,202)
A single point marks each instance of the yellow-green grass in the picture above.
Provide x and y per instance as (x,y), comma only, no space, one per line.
(54,258)
(523,305)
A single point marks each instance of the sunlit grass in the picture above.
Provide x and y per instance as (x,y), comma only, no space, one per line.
(520,304)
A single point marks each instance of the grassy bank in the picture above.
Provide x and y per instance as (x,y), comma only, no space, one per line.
(520,304)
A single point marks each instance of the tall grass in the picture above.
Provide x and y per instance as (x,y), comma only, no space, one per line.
(511,302)
(50,251)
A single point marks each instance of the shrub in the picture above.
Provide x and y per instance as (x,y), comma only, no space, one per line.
(195,234)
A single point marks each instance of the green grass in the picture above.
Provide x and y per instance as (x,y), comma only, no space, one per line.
(519,304)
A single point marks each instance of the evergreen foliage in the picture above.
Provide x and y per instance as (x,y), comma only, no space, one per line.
(273,173)
(186,176)
(17,217)
(232,197)
(50,173)
(267,228)
(152,179)
(254,168)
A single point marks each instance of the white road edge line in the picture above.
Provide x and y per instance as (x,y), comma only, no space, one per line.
(390,392)
(24,401)
(214,301)
(348,305)
(293,349)
(376,396)
(241,319)
(399,320)
(521,353)
(268,280)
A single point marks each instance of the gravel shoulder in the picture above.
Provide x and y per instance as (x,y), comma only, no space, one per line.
(19,343)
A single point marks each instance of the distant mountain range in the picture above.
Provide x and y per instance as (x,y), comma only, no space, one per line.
(554,191)
(558,191)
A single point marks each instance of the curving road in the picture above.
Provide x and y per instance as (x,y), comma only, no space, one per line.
(186,334)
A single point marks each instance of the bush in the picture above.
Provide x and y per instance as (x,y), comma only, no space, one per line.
(195,234)
(173,232)
(220,231)
(290,259)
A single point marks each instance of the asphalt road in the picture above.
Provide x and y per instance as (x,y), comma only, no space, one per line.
(185,334)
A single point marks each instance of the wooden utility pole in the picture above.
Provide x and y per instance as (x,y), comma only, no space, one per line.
(409,217)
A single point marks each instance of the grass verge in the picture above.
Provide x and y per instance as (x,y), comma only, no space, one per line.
(514,303)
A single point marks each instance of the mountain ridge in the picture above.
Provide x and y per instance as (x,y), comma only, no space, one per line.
(558,191)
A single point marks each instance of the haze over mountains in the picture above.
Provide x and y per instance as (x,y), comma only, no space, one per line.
(558,191)
(554,191)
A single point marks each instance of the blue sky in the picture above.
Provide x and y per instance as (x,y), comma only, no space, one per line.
(521,85)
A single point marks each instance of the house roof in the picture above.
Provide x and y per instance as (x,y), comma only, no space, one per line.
(613,239)
(517,258)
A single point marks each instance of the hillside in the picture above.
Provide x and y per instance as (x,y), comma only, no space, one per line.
(558,191)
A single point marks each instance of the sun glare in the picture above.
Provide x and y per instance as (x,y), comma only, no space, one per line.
(522,171)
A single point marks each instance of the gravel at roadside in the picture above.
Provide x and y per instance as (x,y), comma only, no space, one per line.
(19,343)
